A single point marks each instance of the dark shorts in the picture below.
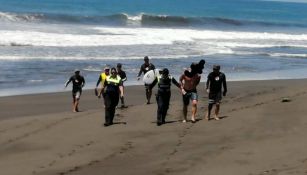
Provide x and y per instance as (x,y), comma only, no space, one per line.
(189,96)
(215,98)
(147,86)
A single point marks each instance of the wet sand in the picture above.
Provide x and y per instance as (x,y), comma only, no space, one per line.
(257,134)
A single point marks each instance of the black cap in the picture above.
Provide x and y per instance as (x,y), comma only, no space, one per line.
(216,67)
(165,71)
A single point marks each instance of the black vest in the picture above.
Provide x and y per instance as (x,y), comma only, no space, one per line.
(164,84)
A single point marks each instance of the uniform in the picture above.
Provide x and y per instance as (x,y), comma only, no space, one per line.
(111,97)
(163,95)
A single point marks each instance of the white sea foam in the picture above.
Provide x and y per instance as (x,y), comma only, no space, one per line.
(288,55)
(150,36)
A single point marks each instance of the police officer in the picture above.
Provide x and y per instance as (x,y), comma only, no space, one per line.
(147,66)
(113,90)
(163,95)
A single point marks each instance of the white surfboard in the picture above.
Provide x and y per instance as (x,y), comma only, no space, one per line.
(150,76)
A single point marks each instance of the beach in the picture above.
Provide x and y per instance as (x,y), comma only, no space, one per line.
(257,134)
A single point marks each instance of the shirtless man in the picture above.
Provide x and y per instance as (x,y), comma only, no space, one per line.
(189,83)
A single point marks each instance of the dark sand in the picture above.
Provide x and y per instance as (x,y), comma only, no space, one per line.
(258,134)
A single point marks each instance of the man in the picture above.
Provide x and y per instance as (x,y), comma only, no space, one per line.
(113,90)
(123,76)
(164,94)
(78,83)
(216,80)
(145,68)
(101,79)
(189,82)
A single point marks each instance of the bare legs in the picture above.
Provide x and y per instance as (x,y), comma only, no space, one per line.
(194,110)
(75,105)
(185,113)
(216,111)
(148,94)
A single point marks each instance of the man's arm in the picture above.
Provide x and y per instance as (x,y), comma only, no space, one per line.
(208,83)
(224,85)
(181,80)
(68,81)
(83,82)
(140,72)
(152,85)
(175,82)
(125,76)
(99,80)
(198,79)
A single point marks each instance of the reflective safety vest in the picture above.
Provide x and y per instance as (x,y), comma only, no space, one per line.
(164,83)
(113,81)
(103,78)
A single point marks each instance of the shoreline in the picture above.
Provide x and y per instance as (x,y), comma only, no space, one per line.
(134,95)
(68,89)
(257,134)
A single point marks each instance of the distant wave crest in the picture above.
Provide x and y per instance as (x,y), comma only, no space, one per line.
(123,19)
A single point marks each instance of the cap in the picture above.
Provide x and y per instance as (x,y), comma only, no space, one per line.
(216,67)
(165,71)
(107,68)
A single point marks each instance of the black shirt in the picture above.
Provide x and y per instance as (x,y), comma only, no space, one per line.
(215,82)
(145,68)
(122,75)
(77,82)
(164,84)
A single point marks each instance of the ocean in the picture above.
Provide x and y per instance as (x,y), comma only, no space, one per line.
(43,42)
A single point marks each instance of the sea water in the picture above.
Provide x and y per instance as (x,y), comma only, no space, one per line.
(43,42)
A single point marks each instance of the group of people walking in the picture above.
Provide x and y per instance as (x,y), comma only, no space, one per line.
(112,89)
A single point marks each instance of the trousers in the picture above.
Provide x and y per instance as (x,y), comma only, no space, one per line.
(110,101)
(163,98)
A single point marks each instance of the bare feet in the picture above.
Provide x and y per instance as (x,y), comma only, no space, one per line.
(193,119)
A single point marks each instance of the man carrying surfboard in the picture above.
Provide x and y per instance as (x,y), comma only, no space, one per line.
(144,69)
(163,95)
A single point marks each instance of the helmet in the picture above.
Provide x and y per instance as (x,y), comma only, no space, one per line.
(165,72)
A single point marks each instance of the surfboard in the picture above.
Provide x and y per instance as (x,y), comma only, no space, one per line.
(150,76)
